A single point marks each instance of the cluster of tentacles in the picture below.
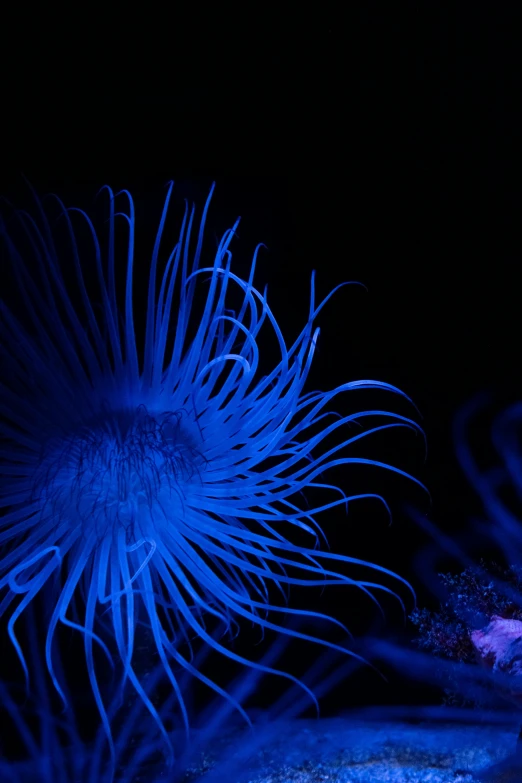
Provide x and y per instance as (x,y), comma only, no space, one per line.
(156,479)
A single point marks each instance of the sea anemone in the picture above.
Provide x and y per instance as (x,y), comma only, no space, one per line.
(156,478)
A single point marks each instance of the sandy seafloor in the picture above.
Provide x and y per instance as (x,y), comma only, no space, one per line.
(340,750)
(348,750)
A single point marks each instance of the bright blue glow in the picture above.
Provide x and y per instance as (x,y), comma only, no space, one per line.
(167,481)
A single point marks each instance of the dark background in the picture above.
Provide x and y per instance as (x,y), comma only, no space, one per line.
(376,142)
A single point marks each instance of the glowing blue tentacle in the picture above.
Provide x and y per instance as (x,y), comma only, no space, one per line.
(249,301)
(113,306)
(173,590)
(297,456)
(88,638)
(193,357)
(282,367)
(323,461)
(203,678)
(152,317)
(63,602)
(131,354)
(206,577)
(222,532)
(185,304)
(166,306)
(293,519)
(31,590)
(208,334)
(158,637)
(18,556)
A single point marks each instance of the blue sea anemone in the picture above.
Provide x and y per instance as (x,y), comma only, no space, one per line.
(157,478)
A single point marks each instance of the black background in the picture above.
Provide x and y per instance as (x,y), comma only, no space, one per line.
(376,142)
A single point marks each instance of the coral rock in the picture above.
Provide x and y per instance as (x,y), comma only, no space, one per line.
(499,647)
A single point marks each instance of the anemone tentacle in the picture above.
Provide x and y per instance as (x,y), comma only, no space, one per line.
(157,480)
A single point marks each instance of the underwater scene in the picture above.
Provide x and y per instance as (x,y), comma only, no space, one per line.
(221,553)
